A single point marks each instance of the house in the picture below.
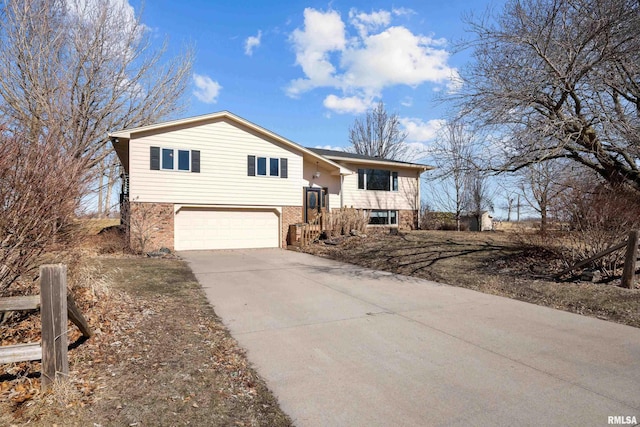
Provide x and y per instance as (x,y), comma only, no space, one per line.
(219,181)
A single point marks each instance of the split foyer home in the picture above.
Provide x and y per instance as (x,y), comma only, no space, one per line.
(219,181)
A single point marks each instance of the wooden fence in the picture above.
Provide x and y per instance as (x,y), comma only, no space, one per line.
(56,308)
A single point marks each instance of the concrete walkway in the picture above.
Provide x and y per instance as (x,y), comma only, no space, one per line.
(345,346)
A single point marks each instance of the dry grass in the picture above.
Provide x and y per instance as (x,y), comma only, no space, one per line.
(93,226)
(159,356)
(495,263)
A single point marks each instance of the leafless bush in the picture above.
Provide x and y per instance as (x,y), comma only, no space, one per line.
(431,220)
(144,225)
(40,187)
(111,240)
(598,219)
(346,219)
(592,221)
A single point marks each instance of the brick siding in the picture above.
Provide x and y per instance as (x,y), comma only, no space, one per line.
(290,215)
(152,222)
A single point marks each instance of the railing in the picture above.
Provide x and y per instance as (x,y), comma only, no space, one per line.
(56,308)
(304,234)
(312,230)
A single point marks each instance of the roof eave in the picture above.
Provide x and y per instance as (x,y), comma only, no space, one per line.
(424,168)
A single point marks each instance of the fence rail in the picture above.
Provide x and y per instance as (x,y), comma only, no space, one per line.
(630,259)
(56,308)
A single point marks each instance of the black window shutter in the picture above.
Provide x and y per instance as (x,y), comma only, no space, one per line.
(251,165)
(195,161)
(361,179)
(155,158)
(284,168)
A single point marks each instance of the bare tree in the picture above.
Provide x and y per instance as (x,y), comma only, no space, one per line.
(83,67)
(559,79)
(453,154)
(378,134)
(541,186)
(510,196)
(106,172)
(39,193)
(478,195)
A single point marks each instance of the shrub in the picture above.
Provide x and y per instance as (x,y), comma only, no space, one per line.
(40,187)
(597,219)
(344,220)
(431,220)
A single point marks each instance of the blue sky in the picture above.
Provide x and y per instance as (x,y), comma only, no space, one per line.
(306,70)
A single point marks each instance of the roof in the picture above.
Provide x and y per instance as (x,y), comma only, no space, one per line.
(197,120)
(361,158)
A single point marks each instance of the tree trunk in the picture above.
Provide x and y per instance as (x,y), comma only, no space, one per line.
(111,180)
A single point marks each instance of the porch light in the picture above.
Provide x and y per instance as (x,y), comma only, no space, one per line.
(316,175)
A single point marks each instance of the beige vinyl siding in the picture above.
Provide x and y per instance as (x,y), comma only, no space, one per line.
(223,179)
(404,198)
(326,180)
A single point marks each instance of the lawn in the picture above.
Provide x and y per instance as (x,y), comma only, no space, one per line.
(492,262)
(160,356)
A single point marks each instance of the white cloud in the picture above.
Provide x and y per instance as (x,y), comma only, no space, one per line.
(361,66)
(400,11)
(115,20)
(394,57)
(251,43)
(207,90)
(367,22)
(407,101)
(349,104)
(331,147)
(324,32)
(421,131)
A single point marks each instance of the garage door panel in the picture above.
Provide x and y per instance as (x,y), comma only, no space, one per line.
(225,229)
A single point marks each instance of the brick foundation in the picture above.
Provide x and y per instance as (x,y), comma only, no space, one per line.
(150,225)
(290,215)
(408,220)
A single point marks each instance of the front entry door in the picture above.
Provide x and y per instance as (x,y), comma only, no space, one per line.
(312,204)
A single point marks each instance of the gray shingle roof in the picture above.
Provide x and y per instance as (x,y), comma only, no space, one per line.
(347,155)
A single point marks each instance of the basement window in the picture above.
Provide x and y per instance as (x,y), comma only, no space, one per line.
(383,217)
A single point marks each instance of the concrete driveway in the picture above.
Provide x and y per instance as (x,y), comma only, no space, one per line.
(345,346)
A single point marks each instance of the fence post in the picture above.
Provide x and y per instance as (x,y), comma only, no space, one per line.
(628,274)
(53,309)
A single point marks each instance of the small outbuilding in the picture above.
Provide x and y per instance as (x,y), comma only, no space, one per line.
(483,222)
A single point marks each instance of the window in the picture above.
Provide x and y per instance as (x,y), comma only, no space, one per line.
(169,162)
(174,160)
(262,166)
(274,167)
(267,166)
(167,158)
(383,217)
(377,179)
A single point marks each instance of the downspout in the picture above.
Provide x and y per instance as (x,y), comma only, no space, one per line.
(341,191)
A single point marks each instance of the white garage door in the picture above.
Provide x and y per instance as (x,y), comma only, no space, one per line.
(225,229)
